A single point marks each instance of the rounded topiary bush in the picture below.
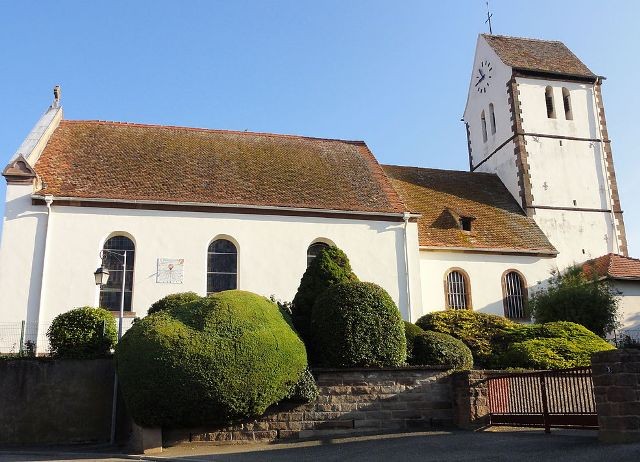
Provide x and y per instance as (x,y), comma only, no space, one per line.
(357,324)
(173,300)
(306,390)
(330,267)
(83,333)
(214,360)
(411,331)
(437,349)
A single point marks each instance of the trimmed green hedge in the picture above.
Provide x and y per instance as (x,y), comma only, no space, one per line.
(214,360)
(497,342)
(173,301)
(411,331)
(484,334)
(83,333)
(306,390)
(438,349)
(330,267)
(357,324)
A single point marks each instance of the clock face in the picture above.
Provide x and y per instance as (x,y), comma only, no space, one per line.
(483,76)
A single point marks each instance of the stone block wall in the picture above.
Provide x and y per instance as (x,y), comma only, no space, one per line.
(470,393)
(616,380)
(354,401)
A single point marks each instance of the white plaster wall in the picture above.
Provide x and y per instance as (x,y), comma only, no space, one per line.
(271,260)
(629,303)
(485,276)
(571,232)
(21,254)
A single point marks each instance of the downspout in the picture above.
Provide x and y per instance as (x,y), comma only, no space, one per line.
(48,201)
(405,217)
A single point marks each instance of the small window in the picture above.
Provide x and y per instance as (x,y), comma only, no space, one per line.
(457,290)
(465,223)
(566,101)
(484,127)
(222,266)
(492,119)
(314,250)
(548,97)
(515,295)
(113,259)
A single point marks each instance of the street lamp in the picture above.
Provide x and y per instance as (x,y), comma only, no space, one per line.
(101,276)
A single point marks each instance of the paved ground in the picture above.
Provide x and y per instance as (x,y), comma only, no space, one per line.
(519,446)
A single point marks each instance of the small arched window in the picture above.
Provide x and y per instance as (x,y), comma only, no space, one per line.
(548,98)
(113,253)
(456,289)
(492,119)
(566,101)
(514,290)
(222,266)
(483,120)
(314,250)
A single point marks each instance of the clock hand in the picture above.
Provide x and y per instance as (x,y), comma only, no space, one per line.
(478,82)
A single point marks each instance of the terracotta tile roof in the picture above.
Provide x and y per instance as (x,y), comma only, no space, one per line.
(537,55)
(444,196)
(613,266)
(93,159)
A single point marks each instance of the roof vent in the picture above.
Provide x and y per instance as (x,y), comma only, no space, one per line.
(465,223)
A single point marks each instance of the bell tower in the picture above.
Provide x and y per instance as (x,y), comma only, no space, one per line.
(535,117)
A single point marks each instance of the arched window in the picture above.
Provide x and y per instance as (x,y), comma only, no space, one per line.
(222,266)
(483,119)
(514,290)
(314,250)
(492,119)
(457,290)
(566,101)
(548,98)
(113,258)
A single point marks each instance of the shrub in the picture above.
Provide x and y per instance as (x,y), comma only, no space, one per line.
(83,333)
(306,389)
(437,349)
(331,266)
(173,300)
(214,360)
(410,333)
(484,334)
(357,324)
(572,296)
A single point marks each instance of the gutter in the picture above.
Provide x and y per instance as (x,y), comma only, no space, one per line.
(49,201)
(501,250)
(406,218)
(399,216)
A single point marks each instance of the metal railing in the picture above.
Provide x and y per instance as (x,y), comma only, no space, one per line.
(22,338)
(561,398)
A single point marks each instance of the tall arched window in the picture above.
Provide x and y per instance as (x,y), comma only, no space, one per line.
(492,119)
(548,99)
(514,290)
(113,252)
(483,120)
(457,293)
(314,250)
(566,101)
(222,266)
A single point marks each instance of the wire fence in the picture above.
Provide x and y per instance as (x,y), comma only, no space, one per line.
(22,338)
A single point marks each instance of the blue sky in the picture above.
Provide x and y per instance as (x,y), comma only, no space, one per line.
(392,73)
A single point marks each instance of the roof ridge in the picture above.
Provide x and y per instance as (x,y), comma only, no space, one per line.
(524,38)
(200,129)
(440,169)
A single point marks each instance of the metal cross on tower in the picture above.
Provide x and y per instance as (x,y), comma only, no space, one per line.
(489,16)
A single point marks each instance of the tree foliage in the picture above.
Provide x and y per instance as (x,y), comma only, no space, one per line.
(575,297)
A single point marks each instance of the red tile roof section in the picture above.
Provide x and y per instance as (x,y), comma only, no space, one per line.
(537,55)
(114,160)
(443,196)
(613,266)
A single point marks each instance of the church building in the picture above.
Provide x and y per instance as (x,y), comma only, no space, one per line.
(202,210)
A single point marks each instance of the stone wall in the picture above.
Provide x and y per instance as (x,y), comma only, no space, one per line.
(354,401)
(616,380)
(470,394)
(55,401)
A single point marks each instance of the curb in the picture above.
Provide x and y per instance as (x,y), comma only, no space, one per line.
(90,455)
